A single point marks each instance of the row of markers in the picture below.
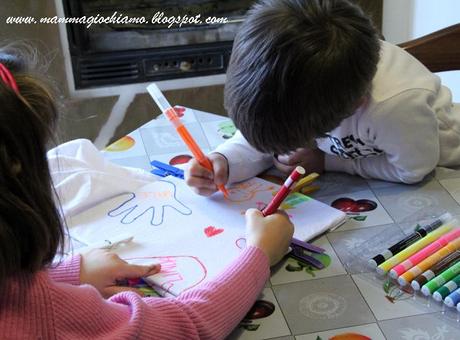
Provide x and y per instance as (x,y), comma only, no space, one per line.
(428,260)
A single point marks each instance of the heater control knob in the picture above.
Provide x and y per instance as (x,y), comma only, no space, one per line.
(185,66)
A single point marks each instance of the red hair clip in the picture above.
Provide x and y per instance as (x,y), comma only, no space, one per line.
(8,78)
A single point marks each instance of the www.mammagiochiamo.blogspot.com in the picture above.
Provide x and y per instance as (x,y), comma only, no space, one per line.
(158,18)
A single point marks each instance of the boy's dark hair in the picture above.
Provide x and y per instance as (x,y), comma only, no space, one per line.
(30,225)
(298,68)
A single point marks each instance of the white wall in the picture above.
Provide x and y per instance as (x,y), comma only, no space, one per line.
(408,19)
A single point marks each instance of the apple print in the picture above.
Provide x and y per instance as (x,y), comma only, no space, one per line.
(180,159)
(347,204)
(260,309)
(179,111)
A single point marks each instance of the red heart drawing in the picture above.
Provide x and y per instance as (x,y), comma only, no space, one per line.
(212,231)
(347,204)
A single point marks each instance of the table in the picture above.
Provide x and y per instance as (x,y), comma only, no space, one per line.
(345,300)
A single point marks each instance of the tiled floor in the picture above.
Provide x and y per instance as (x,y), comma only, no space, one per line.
(346,300)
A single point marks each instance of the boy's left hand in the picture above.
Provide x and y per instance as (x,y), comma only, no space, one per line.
(312,160)
(102,269)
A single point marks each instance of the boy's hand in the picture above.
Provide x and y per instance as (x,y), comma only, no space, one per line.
(102,269)
(271,234)
(312,160)
(203,181)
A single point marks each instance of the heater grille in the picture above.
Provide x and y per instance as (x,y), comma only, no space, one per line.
(97,72)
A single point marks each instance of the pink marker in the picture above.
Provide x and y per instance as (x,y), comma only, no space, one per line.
(284,191)
(418,257)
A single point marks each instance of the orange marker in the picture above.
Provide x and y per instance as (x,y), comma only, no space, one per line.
(171,114)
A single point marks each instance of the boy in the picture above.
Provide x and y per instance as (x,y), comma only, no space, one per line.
(311,81)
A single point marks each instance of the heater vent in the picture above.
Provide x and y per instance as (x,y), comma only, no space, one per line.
(106,72)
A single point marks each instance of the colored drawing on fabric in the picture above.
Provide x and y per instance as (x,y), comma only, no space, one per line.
(240,243)
(152,201)
(211,231)
(245,191)
(141,286)
(123,144)
(293,200)
(226,129)
(178,273)
(294,265)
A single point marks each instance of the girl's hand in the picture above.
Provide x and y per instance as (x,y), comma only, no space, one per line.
(271,234)
(102,269)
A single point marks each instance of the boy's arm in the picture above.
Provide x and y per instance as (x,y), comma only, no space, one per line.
(406,130)
(244,161)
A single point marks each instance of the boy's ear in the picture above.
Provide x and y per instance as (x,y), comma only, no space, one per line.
(362,101)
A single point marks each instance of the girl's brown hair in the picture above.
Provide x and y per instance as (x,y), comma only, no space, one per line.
(30,226)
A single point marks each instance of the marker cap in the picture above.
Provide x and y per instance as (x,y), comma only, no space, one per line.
(425,291)
(415,285)
(448,302)
(437,296)
(401,281)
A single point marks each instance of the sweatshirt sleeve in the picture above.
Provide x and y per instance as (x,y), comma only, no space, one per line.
(67,271)
(406,130)
(243,160)
(209,311)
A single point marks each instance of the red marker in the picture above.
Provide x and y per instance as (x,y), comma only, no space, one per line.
(273,206)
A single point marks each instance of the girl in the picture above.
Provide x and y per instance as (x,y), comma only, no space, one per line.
(66,302)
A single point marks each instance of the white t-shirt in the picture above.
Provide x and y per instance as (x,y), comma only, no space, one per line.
(407,126)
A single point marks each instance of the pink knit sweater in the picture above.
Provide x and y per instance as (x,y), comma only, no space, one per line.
(52,305)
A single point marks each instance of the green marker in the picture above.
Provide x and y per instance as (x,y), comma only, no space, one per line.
(432,285)
(448,288)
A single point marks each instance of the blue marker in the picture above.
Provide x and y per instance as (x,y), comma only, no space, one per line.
(453,298)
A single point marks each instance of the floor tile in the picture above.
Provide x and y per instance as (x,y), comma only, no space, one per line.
(290,270)
(334,183)
(452,185)
(388,301)
(414,203)
(429,326)
(444,173)
(370,331)
(410,227)
(362,207)
(269,326)
(319,305)
(356,247)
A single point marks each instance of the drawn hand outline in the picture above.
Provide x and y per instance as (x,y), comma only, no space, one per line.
(162,196)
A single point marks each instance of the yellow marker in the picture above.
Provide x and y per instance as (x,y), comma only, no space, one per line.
(305,181)
(429,262)
(412,249)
